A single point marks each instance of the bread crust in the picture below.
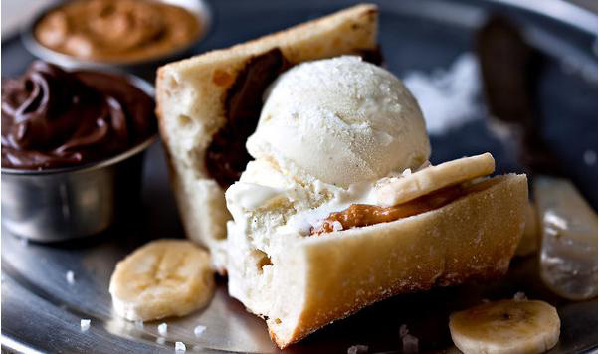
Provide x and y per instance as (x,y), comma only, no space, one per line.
(190,99)
(472,238)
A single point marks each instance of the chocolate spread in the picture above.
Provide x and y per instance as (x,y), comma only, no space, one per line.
(117,31)
(372,56)
(227,157)
(360,215)
(52,118)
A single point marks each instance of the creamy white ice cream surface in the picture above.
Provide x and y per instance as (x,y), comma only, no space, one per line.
(330,132)
(342,121)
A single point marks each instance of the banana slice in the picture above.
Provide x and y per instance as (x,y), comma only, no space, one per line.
(568,226)
(506,326)
(430,179)
(163,278)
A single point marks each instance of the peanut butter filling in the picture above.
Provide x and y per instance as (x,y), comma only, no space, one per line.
(360,215)
(117,31)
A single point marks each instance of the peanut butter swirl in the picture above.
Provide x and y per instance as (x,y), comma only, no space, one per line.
(360,215)
(117,31)
(52,118)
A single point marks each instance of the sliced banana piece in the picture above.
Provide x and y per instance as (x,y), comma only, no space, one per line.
(568,224)
(161,279)
(506,326)
(403,189)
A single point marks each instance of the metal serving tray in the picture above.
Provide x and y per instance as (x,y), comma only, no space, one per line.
(41,310)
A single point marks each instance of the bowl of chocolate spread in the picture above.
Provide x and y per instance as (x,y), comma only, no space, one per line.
(72,150)
(121,33)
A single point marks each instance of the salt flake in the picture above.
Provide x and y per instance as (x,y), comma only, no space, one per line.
(71,277)
(85,324)
(180,347)
(199,330)
(162,329)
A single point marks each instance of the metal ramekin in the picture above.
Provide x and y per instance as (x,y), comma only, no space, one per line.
(145,68)
(66,203)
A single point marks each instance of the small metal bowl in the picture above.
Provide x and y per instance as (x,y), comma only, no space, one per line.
(61,204)
(145,68)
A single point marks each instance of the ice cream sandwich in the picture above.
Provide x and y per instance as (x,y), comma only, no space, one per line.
(338,206)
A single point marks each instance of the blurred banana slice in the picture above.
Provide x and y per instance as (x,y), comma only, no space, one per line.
(529,243)
(163,278)
(506,326)
(429,179)
(568,227)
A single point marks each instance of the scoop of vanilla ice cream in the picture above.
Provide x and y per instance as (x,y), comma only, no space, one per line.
(341,121)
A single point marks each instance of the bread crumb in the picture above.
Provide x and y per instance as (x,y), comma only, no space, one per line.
(357,349)
(163,329)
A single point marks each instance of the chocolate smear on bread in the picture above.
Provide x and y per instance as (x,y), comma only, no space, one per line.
(227,156)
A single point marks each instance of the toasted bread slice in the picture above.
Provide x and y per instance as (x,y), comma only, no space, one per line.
(307,283)
(191,100)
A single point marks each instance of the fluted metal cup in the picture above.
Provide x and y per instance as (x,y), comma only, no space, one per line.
(60,204)
(145,68)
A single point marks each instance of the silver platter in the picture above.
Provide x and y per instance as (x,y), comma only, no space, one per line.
(41,310)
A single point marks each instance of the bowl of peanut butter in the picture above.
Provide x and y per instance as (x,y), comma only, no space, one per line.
(117,33)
